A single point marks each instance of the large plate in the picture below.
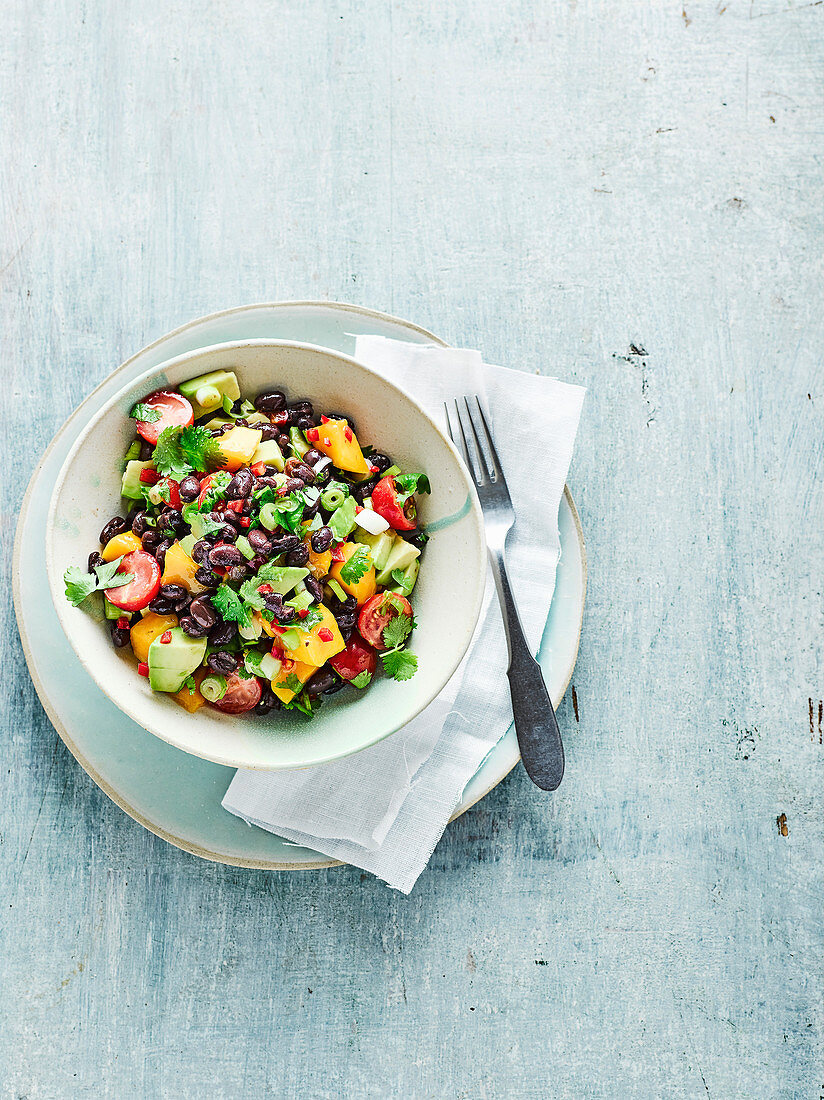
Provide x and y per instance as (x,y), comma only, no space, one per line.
(174,795)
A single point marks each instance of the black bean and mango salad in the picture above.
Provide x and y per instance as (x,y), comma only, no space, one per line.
(265,559)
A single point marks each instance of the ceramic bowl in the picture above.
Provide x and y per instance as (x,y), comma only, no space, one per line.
(447,597)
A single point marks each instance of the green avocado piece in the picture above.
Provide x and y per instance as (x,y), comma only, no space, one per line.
(298,442)
(410,575)
(206,392)
(172,662)
(401,555)
(114,613)
(131,485)
(268,451)
(283,578)
(380,546)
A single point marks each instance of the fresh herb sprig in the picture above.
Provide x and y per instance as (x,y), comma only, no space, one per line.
(144,413)
(357,566)
(181,451)
(398,663)
(80,584)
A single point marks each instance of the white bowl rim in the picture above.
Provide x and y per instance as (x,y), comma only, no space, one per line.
(61,604)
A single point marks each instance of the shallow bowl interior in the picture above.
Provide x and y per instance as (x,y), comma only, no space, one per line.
(447,597)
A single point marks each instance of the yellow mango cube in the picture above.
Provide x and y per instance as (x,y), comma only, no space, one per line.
(145,630)
(363,589)
(238,445)
(320,643)
(180,568)
(287,669)
(120,545)
(191,700)
(337,440)
(319,564)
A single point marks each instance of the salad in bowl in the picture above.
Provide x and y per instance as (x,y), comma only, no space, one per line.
(263,558)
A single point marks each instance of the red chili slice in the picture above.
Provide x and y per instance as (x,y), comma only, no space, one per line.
(175,411)
(358,657)
(385,501)
(139,592)
(241,695)
(377,613)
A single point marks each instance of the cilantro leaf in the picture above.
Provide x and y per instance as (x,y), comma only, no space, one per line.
(313,618)
(250,595)
(409,484)
(108,577)
(168,454)
(205,524)
(144,413)
(302,703)
(225,599)
(292,683)
(79,584)
(216,490)
(355,568)
(399,664)
(396,631)
(402,581)
(191,684)
(361,680)
(200,448)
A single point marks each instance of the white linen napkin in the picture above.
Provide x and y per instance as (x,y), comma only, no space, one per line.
(384,809)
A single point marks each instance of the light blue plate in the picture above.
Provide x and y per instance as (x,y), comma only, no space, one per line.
(175,795)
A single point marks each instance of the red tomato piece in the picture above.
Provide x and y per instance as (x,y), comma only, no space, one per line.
(174,492)
(241,695)
(205,485)
(175,411)
(135,595)
(377,612)
(386,502)
(358,657)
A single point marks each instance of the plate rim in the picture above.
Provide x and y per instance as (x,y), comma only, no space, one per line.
(180,842)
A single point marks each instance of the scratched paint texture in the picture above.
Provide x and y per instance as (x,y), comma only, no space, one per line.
(628,194)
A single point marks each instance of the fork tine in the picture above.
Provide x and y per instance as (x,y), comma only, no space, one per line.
(458,440)
(485,476)
(464,447)
(497,469)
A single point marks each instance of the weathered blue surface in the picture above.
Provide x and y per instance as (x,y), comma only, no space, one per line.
(627,194)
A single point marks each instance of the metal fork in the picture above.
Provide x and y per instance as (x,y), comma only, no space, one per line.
(539,738)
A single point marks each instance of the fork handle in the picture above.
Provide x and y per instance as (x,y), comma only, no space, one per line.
(536,726)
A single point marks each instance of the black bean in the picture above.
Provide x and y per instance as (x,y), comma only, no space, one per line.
(274,603)
(268,431)
(292,485)
(241,422)
(417,538)
(200,550)
(382,461)
(299,556)
(304,423)
(189,488)
(146,451)
(302,408)
(173,592)
(161,605)
(341,416)
(222,662)
(257,561)
(224,554)
(160,552)
(270,402)
(95,559)
(284,544)
(346,620)
(268,702)
(206,577)
(238,573)
(216,432)
(258,540)
(202,611)
(241,484)
(267,482)
(346,632)
(120,637)
(116,526)
(321,681)
(132,512)
(182,605)
(222,634)
(151,539)
(305,473)
(364,489)
(312,456)
(322,539)
(192,628)
(140,525)
(314,588)
(228,533)
(283,441)
(171,517)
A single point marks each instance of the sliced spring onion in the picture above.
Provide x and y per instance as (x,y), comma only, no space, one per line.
(213,688)
(333,496)
(393,471)
(370,521)
(242,543)
(268,516)
(336,588)
(321,464)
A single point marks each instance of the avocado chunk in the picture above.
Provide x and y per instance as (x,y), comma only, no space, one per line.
(401,555)
(206,392)
(380,546)
(171,662)
(298,442)
(268,451)
(283,578)
(410,575)
(131,485)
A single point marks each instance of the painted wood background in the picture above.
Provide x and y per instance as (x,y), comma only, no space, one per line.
(629,194)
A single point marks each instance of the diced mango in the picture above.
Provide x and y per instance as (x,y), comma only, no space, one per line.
(337,440)
(314,649)
(319,564)
(180,568)
(120,545)
(238,446)
(145,631)
(264,624)
(191,700)
(291,668)
(362,589)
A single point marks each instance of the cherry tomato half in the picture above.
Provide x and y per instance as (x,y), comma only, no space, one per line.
(386,502)
(241,695)
(142,590)
(358,657)
(175,411)
(205,486)
(377,612)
